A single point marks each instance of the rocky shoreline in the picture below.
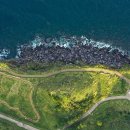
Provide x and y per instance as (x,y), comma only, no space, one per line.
(87,54)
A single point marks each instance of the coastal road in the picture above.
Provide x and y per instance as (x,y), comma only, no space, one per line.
(100,70)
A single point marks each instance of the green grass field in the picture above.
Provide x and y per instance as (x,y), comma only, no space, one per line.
(14,94)
(111,115)
(66,96)
(5,125)
(52,102)
(126,71)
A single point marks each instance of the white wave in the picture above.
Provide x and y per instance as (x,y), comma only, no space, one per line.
(69,42)
(36,42)
(4,53)
(18,52)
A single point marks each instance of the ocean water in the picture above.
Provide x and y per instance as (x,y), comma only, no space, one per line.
(104,21)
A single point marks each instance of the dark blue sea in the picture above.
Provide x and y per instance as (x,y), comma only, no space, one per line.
(100,20)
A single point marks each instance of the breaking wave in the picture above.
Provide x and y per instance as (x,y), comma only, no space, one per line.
(68,42)
(4,53)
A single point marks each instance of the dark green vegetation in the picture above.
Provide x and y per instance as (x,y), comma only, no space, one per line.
(126,71)
(112,115)
(5,125)
(57,100)
(40,68)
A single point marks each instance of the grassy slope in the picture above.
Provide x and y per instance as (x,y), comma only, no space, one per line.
(15,93)
(59,99)
(126,71)
(111,115)
(66,96)
(5,125)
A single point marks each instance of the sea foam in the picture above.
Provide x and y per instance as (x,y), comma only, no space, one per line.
(68,42)
(4,53)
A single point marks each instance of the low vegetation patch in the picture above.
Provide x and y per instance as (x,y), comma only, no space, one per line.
(111,115)
(15,95)
(63,98)
(52,102)
(5,125)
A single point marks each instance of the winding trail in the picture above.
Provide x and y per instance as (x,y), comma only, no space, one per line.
(30,97)
(99,70)
(90,111)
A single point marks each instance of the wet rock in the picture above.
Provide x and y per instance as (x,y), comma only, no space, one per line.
(85,53)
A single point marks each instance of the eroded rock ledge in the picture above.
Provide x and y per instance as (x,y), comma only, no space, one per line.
(81,53)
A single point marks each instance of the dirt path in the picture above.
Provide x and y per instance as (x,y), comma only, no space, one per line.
(30,96)
(90,111)
(100,70)
(27,127)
